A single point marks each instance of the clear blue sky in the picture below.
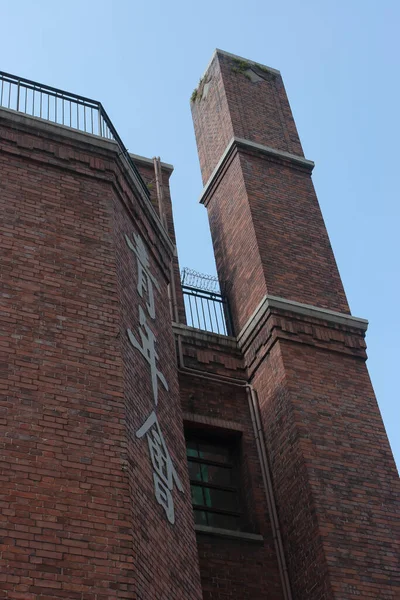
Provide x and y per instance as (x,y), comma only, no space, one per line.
(340,64)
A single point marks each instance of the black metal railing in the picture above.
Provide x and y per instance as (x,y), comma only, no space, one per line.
(206,308)
(63,108)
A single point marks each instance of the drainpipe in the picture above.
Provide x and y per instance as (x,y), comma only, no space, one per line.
(173,305)
(160,191)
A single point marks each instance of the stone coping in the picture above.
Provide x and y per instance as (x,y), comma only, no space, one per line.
(149,161)
(230,55)
(299,308)
(205,337)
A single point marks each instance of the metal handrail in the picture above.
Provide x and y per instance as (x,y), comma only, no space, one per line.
(205,307)
(63,108)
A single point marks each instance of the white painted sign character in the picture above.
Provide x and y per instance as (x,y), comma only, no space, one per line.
(146,280)
(147,349)
(164,474)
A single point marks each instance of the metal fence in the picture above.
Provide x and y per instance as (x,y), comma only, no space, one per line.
(62,108)
(206,308)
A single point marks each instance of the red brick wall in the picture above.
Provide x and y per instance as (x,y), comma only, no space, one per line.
(212,124)
(333,474)
(350,467)
(237,257)
(292,240)
(270,122)
(79,516)
(230,568)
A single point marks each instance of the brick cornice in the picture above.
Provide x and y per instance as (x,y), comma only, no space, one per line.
(302,323)
(265,151)
(299,308)
(205,338)
(76,140)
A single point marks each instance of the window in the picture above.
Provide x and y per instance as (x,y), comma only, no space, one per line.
(213,483)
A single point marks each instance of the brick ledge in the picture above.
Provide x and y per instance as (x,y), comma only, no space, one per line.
(229,534)
(236,142)
(298,308)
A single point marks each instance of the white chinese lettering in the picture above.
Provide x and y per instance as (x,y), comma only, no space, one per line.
(147,349)
(145,279)
(164,474)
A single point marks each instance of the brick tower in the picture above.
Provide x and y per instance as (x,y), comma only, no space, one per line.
(332,472)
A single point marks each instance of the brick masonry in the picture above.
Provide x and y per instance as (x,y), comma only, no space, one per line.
(79,516)
(146,170)
(333,474)
(229,568)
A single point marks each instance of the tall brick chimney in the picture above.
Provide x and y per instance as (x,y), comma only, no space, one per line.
(332,469)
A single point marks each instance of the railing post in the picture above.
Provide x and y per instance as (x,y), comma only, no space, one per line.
(99,113)
(18,87)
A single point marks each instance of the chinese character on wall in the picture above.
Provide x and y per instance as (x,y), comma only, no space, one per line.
(164,474)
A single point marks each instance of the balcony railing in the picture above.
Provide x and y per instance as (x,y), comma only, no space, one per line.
(63,108)
(206,308)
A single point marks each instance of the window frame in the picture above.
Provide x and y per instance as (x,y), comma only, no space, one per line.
(230,446)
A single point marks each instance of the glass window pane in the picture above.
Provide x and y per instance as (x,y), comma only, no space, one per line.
(217,475)
(197,495)
(220,499)
(200,517)
(194,471)
(191,449)
(214,452)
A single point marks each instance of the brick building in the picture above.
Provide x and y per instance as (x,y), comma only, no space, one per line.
(237,454)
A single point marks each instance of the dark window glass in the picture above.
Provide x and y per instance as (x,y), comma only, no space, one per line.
(194,471)
(213,484)
(191,449)
(197,495)
(200,517)
(221,499)
(218,475)
(214,453)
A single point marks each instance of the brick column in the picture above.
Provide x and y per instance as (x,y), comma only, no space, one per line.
(332,469)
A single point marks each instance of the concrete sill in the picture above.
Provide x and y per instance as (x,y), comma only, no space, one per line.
(230,534)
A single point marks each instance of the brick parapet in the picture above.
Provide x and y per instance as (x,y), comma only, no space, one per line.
(220,111)
(209,352)
(63,148)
